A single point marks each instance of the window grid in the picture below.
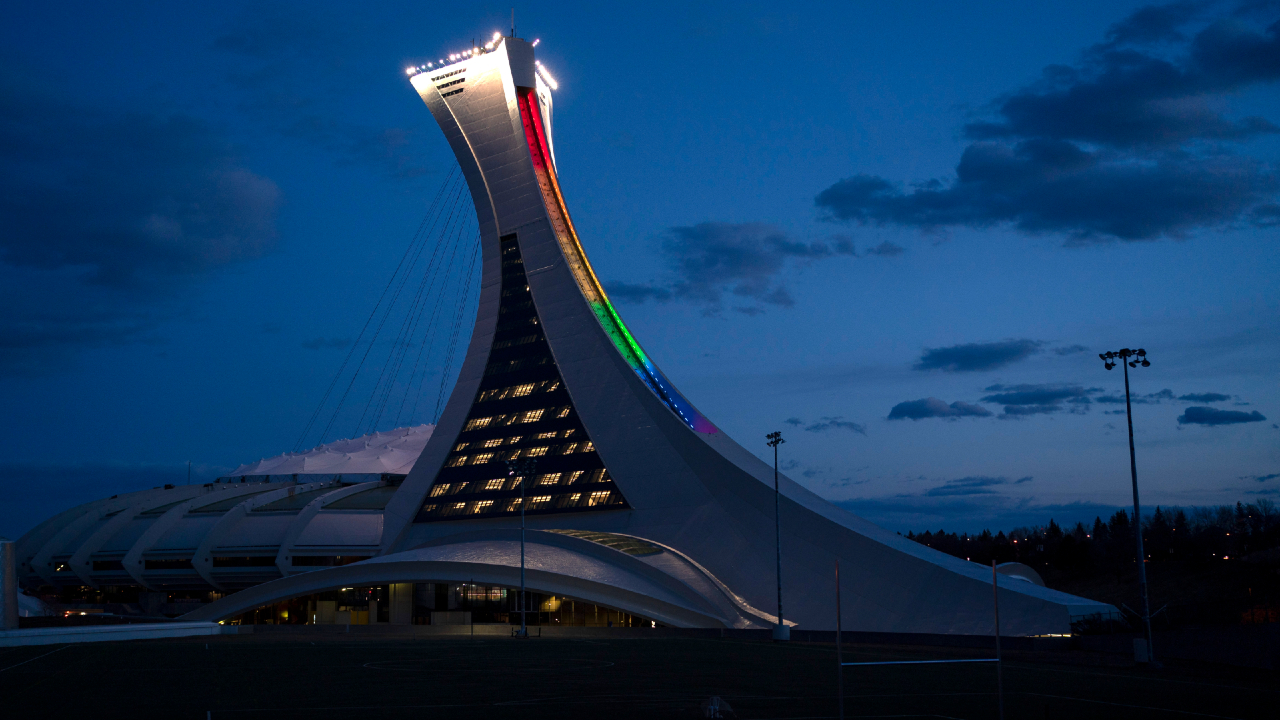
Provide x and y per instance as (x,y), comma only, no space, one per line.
(571,475)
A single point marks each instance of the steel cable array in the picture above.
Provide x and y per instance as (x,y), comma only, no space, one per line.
(449,230)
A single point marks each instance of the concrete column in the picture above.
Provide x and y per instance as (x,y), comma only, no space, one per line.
(8,585)
(400,604)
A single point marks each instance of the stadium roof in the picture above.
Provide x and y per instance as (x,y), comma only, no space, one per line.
(393,451)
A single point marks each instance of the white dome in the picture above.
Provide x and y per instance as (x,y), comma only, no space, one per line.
(393,451)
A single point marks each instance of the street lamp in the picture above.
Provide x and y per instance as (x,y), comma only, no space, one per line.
(780,631)
(1132,359)
(524,470)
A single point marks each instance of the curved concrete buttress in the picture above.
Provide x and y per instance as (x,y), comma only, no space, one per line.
(133,562)
(202,558)
(34,540)
(42,562)
(558,569)
(284,557)
(81,560)
(497,105)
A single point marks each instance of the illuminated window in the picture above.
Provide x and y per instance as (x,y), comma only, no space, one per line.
(430,508)
(437,78)
(562,448)
(439,490)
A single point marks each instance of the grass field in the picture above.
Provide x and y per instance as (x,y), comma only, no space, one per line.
(351,676)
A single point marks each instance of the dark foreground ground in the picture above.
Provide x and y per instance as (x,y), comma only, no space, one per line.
(349,676)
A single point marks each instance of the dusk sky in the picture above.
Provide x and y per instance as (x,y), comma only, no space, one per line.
(901,233)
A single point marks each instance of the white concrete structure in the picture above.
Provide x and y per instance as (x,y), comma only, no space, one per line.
(637,501)
(111,633)
(394,452)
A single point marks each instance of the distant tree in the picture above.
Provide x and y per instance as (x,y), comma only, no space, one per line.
(1053,532)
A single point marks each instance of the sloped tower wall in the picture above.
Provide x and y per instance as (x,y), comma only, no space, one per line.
(683,483)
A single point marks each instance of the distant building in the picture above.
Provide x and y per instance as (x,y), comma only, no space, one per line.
(640,509)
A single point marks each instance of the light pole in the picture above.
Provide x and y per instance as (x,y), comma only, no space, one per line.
(1132,359)
(522,469)
(780,631)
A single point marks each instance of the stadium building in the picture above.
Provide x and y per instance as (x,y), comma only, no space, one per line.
(639,509)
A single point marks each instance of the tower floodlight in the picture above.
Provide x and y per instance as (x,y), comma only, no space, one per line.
(1131,359)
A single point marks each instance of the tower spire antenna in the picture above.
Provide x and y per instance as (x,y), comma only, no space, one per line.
(513,22)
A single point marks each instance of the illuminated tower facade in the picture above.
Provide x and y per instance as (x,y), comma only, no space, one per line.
(635,501)
(553,374)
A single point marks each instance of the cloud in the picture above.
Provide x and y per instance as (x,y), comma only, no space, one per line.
(1260,478)
(1023,400)
(1212,416)
(1128,143)
(794,421)
(836,423)
(710,263)
(969,513)
(973,485)
(885,249)
(107,216)
(932,407)
(1070,350)
(325,344)
(977,356)
(1204,397)
(1148,399)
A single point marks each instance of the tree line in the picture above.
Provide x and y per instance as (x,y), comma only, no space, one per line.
(1196,535)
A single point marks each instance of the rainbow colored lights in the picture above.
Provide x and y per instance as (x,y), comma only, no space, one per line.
(604,311)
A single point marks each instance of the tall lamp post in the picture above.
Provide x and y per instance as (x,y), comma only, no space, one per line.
(780,631)
(523,469)
(1131,359)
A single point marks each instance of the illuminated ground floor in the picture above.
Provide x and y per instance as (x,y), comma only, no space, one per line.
(436,604)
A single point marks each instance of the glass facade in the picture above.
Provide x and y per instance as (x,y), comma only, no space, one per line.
(521,411)
(438,604)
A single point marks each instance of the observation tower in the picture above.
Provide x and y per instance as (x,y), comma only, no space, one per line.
(634,500)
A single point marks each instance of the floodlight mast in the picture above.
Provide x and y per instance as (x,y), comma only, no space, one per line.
(780,631)
(522,470)
(1132,359)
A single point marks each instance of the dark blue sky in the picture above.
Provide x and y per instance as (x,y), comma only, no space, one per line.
(900,234)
